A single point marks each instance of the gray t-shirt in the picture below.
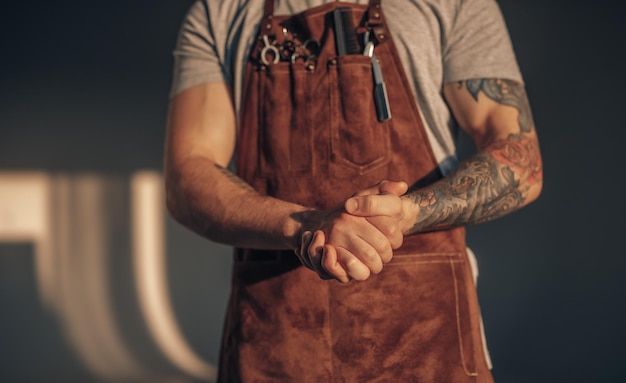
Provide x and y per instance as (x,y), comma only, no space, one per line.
(439,41)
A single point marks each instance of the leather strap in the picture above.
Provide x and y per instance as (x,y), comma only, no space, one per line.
(268,14)
(375,19)
(269,8)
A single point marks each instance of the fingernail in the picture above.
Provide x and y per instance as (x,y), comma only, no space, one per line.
(352,205)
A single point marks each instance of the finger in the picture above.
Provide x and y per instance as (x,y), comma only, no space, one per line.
(353,266)
(374,189)
(392,187)
(315,253)
(390,229)
(384,187)
(332,266)
(372,205)
(303,251)
(381,253)
(369,249)
(362,239)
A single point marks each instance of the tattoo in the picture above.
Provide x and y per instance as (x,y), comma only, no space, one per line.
(505,92)
(481,189)
(520,154)
(233,177)
(488,185)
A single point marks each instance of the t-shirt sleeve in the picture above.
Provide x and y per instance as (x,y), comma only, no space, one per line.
(478,44)
(195,56)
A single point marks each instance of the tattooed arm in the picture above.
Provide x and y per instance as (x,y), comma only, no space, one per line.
(504,175)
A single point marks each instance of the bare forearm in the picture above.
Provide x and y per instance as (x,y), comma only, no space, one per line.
(216,204)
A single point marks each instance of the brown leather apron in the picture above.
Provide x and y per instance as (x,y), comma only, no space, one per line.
(309,134)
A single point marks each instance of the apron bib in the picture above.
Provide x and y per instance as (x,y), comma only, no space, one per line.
(309,133)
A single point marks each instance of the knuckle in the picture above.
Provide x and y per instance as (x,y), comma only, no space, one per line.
(370,256)
(386,256)
(395,237)
(382,244)
(393,231)
(352,264)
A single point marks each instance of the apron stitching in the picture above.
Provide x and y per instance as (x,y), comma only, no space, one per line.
(404,263)
(419,255)
(458,321)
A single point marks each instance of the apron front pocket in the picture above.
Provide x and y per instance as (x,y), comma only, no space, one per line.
(416,306)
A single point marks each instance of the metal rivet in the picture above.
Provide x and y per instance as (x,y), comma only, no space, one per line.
(333,62)
(381,36)
(268,26)
(310,67)
(376,15)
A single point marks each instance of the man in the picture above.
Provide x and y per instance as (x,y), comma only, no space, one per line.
(309,129)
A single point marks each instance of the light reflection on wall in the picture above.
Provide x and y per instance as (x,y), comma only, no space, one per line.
(25,217)
(149,261)
(70,221)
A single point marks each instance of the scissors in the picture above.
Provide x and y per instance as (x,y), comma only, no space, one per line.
(269,48)
(288,47)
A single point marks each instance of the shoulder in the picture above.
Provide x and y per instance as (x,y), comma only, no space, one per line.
(219,14)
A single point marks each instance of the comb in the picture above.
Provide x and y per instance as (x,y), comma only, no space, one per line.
(345,34)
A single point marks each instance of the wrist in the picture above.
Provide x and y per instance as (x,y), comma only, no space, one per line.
(410,211)
(293,226)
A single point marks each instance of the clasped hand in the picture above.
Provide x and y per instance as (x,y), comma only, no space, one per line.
(355,240)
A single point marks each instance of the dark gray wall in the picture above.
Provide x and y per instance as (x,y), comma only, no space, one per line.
(553,274)
(84,87)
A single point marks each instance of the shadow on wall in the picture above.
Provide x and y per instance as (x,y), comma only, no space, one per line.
(94,301)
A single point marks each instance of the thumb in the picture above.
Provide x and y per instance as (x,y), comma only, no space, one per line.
(393,187)
(372,205)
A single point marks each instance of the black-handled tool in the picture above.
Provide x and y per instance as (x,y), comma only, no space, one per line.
(346,40)
(381,100)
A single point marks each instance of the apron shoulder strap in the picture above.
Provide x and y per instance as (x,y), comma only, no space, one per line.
(268,14)
(268,10)
(375,21)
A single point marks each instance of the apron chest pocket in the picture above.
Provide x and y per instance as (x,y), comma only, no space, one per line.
(359,143)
